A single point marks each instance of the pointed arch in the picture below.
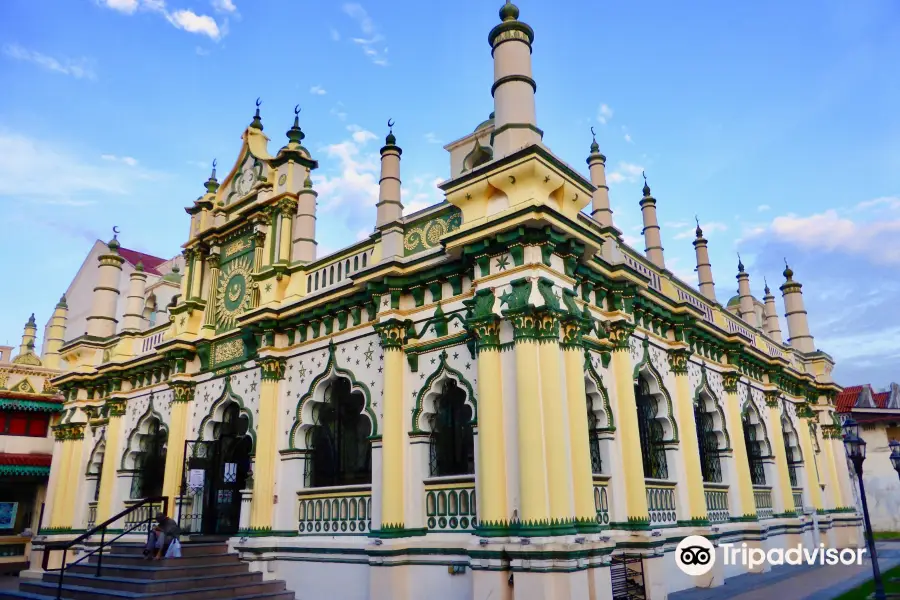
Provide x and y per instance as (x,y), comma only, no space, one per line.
(303,419)
(431,391)
(792,449)
(710,403)
(646,370)
(217,411)
(597,396)
(751,414)
(95,462)
(141,429)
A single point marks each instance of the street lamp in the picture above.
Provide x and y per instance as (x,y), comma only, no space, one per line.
(895,455)
(855,447)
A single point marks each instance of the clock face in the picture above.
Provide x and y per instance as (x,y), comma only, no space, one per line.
(233,297)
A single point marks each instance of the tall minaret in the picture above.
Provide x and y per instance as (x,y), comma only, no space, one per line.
(56,334)
(797,322)
(28,337)
(771,326)
(745,308)
(600,210)
(134,302)
(305,226)
(515,123)
(654,249)
(102,321)
(704,269)
(390,208)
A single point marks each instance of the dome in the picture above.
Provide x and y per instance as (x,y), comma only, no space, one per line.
(735,301)
(486,123)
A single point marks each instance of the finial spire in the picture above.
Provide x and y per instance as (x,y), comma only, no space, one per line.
(212,184)
(740,263)
(788,273)
(595,147)
(390,140)
(698,230)
(257,120)
(113,244)
(509,11)
(295,134)
(30,322)
(646,185)
(766,283)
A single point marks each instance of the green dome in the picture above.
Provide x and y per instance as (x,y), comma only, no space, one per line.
(509,11)
(486,123)
(735,301)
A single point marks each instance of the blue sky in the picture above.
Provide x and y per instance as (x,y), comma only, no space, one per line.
(775,122)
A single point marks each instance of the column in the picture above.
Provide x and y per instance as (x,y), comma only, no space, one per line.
(115,408)
(393,465)
(741,500)
(261,509)
(272,238)
(689,451)
(782,493)
(179,423)
(72,437)
(209,316)
(554,407)
(576,396)
(62,462)
(806,416)
(534,513)
(197,284)
(628,440)
(188,281)
(288,208)
(832,442)
(493,515)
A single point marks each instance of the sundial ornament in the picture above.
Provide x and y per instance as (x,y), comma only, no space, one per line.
(234,292)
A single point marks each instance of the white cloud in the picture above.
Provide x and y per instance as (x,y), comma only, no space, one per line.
(763,208)
(432,138)
(886,202)
(193,23)
(186,20)
(335,35)
(125,160)
(363,234)
(201,51)
(372,42)
(420,192)
(628,138)
(355,186)
(360,135)
(625,172)
(317,90)
(604,113)
(338,111)
(632,240)
(124,6)
(79,69)
(225,6)
(710,227)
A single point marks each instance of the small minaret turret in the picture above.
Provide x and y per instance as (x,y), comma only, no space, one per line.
(102,320)
(600,210)
(795,313)
(704,269)
(134,302)
(389,207)
(257,120)
(56,334)
(303,236)
(652,239)
(515,123)
(745,297)
(28,337)
(771,326)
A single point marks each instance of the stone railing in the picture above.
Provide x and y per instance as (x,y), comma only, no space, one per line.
(636,264)
(762,497)
(153,338)
(716,502)
(661,502)
(92,515)
(703,307)
(735,327)
(14,549)
(798,498)
(335,271)
(601,501)
(337,510)
(450,504)
(142,516)
(246,504)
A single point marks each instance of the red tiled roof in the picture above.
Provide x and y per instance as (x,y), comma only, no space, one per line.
(847,398)
(150,262)
(25,460)
(881,399)
(8,395)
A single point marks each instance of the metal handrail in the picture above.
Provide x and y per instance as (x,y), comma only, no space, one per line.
(66,545)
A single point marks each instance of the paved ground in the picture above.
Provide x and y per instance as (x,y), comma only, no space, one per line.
(797,582)
(9,583)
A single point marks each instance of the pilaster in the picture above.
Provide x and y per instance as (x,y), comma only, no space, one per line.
(266,456)
(71,436)
(115,410)
(179,423)
(689,452)
(741,500)
(782,494)
(832,450)
(209,316)
(814,492)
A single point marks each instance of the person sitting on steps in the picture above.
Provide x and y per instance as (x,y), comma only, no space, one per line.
(161,537)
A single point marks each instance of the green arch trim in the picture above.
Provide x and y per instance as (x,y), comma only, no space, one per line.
(748,404)
(420,397)
(793,430)
(331,366)
(592,373)
(650,369)
(229,394)
(101,441)
(703,386)
(150,412)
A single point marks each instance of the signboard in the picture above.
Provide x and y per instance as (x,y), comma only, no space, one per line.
(196,478)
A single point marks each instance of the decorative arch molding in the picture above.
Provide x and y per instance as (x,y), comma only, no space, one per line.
(645,368)
(596,391)
(751,410)
(711,404)
(141,429)
(303,419)
(431,390)
(217,411)
(97,454)
(790,432)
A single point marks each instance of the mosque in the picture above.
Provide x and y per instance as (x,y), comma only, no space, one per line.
(493,397)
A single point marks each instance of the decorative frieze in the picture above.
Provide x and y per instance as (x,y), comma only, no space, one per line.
(730,381)
(619,333)
(183,391)
(272,368)
(772,398)
(678,360)
(68,431)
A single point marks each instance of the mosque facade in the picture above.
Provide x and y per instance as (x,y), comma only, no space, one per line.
(491,397)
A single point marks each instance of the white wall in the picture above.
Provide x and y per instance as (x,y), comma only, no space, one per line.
(881,480)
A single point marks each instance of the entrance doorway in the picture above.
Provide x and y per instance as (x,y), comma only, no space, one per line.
(215,472)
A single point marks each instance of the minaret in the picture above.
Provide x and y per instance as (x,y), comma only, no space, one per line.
(390,208)
(515,123)
(600,210)
(56,335)
(795,313)
(303,229)
(704,269)
(134,302)
(102,320)
(257,120)
(28,337)
(745,308)
(771,326)
(654,249)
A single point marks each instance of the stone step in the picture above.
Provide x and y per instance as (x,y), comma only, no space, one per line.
(185,561)
(19,595)
(147,586)
(187,549)
(212,592)
(149,570)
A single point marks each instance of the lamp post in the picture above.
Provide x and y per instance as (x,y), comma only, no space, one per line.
(855,447)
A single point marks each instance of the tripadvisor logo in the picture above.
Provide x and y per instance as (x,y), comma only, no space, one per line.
(695,555)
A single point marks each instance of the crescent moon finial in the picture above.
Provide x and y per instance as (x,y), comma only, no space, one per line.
(115,230)
(215,161)
(258,102)
(593,133)
(296,109)
(390,124)
(644,175)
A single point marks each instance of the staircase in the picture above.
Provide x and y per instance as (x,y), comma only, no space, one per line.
(205,571)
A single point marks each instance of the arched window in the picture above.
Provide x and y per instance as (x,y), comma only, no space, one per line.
(594,438)
(754,450)
(330,274)
(317,280)
(452,441)
(356,263)
(341,452)
(792,453)
(150,462)
(708,443)
(651,432)
(364,261)
(339,271)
